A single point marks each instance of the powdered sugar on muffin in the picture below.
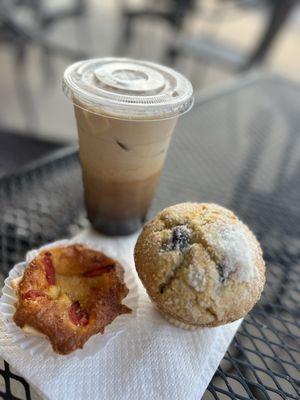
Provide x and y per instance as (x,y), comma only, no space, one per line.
(196,277)
(233,247)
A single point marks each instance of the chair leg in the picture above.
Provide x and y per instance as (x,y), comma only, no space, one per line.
(171,55)
(124,35)
(23,92)
(279,14)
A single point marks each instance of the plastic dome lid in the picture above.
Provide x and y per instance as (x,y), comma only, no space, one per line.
(128,88)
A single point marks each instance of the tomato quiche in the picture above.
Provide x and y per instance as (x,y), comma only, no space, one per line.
(70,293)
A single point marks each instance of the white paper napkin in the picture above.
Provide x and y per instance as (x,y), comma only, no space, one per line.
(150,360)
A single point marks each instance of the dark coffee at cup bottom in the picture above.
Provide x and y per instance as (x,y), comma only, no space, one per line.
(118,208)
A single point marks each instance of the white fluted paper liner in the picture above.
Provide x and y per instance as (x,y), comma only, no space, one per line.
(39,344)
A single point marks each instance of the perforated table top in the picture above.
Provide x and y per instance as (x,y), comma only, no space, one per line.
(240,148)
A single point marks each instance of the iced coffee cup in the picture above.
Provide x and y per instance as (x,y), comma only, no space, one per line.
(126,111)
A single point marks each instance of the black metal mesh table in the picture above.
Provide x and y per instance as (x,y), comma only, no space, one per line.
(240,148)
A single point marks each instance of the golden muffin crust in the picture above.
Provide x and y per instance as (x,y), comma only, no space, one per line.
(200,265)
(70,293)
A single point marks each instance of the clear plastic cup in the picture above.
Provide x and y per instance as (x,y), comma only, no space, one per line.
(126,111)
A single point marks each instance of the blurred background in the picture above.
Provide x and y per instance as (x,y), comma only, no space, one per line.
(211,41)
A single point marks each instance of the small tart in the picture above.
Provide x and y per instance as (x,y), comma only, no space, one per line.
(70,293)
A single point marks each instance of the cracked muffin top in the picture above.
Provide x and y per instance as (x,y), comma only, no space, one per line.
(200,265)
(70,293)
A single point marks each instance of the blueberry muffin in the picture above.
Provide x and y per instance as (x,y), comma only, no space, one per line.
(70,293)
(200,265)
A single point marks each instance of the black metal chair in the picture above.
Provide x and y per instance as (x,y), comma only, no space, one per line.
(20,38)
(224,56)
(207,49)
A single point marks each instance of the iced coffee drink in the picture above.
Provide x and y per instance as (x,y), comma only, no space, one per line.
(126,112)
